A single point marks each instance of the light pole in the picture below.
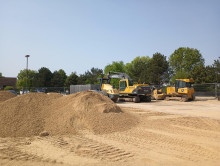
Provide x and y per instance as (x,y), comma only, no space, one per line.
(27,56)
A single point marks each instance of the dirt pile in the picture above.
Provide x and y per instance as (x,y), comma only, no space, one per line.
(5,95)
(33,113)
(87,110)
(23,115)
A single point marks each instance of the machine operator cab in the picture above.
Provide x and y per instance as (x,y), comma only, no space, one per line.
(184,86)
(124,83)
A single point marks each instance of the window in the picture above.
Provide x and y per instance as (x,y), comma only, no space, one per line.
(130,82)
(123,85)
(183,84)
(188,84)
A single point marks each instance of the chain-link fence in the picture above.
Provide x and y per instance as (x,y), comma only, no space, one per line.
(208,89)
(61,90)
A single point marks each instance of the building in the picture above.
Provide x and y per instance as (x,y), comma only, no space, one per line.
(7,81)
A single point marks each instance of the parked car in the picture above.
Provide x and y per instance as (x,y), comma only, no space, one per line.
(13,91)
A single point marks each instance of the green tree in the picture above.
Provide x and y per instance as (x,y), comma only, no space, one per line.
(138,69)
(57,80)
(158,69)
(90,77)
(183,61)
(217,69)
(9,88)
(199,74)
(43,78)
(22,78)
(0,74)
(71,80)
(82,79)
(116,67)
(211,75)
(63,74)
(205,74)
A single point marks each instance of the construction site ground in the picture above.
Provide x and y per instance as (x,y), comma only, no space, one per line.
(168,133)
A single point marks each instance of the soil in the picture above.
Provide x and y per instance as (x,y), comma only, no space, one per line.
(5,95)
(30,114)
(167,133)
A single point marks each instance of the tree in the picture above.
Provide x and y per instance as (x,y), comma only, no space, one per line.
(9,88)
(217,69)
(63,74)
(0,74)
(90,77)
(158,69)
(82,79)
(138,69)
(22,78)
(206,74)
(184,60)
(71,80)
(199,74)
(211,75)
(94,75)
(116,67)
(57,80)
(43,78)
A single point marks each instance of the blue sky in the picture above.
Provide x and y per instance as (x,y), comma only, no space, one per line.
(76,35)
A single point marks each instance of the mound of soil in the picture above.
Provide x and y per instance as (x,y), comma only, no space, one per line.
(34,113)
(87,110)
(54,95)
(5,95)
(23,115)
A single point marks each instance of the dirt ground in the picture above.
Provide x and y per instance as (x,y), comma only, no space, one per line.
(169,133)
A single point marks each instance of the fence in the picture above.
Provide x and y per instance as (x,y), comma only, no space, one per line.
(62,90)
(208,89)
(79,88)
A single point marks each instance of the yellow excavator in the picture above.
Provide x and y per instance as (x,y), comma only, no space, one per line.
(108,90)
(128,90)
(183,90)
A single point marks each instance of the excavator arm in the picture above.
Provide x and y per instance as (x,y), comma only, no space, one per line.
(119,75)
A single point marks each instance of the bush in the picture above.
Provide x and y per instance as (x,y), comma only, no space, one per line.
(8,88)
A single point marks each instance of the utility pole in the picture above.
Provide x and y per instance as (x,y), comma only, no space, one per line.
(27,56)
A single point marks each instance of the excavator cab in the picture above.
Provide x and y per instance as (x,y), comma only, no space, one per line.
(124,84)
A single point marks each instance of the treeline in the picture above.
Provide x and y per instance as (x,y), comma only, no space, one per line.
(45,78)
(183,63)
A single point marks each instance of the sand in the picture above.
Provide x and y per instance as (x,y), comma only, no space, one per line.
(31,114)
(164,135)
(5,95)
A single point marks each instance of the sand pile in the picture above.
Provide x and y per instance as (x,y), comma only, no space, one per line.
(88,110)
(24,115)
(31,114)
(5,95)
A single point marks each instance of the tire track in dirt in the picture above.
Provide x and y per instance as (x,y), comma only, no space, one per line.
(198,143)
(96,149)
(60,150)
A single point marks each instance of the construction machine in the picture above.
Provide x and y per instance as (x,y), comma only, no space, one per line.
(108,90)
(128,90)
(183,90)
(157,94)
